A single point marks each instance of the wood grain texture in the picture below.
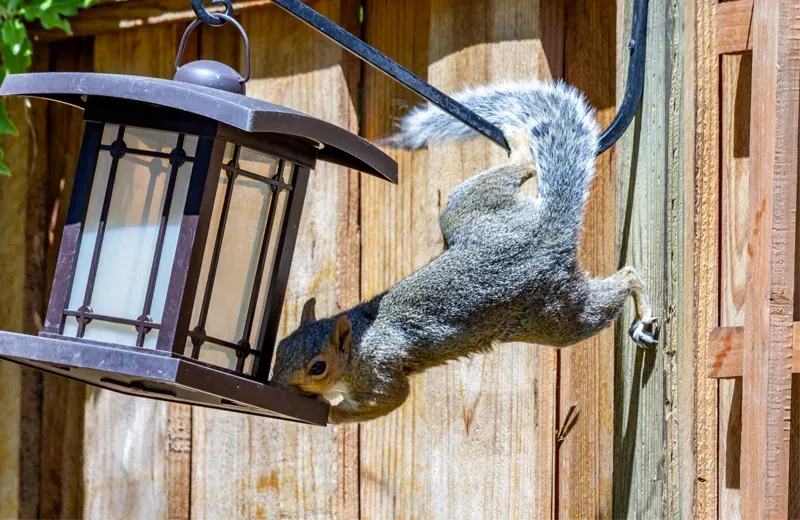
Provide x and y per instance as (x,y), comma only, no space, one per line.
(475,439)
(701,174)
(126,455)
(248,467)
(769,300)
(639,393)
(120,15)
(735,92)
(22,274)
(734,26)
(679,455)
(726,345)
(13,204)
(33,125)
(63,400)
(179,461)
(585,457)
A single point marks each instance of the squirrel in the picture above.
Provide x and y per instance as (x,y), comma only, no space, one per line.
(509,271)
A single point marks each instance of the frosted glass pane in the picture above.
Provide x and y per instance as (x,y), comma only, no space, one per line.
(131,233)
(236,272)
(238,258)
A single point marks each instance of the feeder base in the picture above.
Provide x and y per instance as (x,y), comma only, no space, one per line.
(157,375)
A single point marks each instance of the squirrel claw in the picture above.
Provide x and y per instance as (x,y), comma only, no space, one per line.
(645,333)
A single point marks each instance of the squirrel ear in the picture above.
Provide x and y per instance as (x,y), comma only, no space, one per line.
(342,337)
(309,314)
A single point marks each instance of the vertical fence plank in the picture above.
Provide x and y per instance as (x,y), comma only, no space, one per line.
(23,229)
(13,192)
(247,467)
(734,237)
(702,172)
(394,230)
(126,456)
(585,459)
(680,478)
(475,439)
(769,301)
(63,400)
(639,391)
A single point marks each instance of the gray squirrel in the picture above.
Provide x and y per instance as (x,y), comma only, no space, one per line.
(509,271)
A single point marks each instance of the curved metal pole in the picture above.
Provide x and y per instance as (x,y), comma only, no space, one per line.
(364,51)
(635,86)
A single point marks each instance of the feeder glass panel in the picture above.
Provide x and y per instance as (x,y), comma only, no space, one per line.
(130,235)
(240,258)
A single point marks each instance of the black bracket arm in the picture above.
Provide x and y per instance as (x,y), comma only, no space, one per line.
(364,51)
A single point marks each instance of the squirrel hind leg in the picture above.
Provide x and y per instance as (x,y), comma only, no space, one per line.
(645,330)
(521,154)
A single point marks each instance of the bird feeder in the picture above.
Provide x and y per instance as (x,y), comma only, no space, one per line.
(153,294)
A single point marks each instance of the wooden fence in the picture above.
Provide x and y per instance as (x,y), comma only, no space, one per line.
(651,436)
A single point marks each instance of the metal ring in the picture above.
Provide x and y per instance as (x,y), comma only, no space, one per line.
(225,18)
(211,18)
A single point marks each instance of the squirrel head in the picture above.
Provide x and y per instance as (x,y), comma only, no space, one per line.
(314,357)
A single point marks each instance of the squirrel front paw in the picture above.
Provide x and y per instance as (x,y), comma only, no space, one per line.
(645,333)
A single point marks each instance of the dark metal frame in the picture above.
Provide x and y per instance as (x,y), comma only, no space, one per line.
(292,156)
(369,54)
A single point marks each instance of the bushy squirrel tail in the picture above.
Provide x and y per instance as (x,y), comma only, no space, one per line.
(562,127)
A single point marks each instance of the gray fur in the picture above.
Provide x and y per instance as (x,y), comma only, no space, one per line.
(509,271)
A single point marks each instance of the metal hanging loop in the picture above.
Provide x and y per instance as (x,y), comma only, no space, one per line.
(225,19)
(211,18)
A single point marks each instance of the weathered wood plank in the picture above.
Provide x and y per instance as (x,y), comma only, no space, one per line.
(726,349)
(22,272)
(585,457)
(13,201)
(702,154)
(769,300)
(247,467)
(639,479)
(431,458)
(179,461)
(679,455)
(63,400)
(735,91)
(734,26)
(121,15)
(126,455)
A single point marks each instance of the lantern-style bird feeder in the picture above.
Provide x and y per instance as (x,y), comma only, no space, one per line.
(179,235)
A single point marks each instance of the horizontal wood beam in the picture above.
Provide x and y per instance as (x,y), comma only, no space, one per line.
(725,349)
(117,15)
(734,27)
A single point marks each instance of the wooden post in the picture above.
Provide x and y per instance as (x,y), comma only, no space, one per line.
(769,303)
(252,467)
(431,458)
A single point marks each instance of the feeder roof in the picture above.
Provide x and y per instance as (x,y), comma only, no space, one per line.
(242,112)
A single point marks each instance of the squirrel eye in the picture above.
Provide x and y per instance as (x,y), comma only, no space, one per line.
(318,368)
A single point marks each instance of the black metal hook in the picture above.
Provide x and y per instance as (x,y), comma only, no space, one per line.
(211,18)
(635,83)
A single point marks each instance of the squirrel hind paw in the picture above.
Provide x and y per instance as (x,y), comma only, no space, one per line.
(645,333)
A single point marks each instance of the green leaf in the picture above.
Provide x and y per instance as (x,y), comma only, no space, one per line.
(4,171)
(14,34)
(17,58)
(52,13)
(6,126)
